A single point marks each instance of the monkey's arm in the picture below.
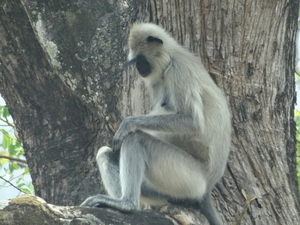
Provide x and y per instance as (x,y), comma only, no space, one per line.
(165,122)
(177,123)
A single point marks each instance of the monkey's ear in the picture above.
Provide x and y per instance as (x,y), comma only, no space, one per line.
(154,39)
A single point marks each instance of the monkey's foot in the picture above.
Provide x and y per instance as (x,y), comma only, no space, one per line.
(106,201)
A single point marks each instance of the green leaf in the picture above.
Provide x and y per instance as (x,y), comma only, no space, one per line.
(12,150)
(5,112)
(19,180)
(4,132)
(26,171)
(13,167)
(31,188)
(6,141)
(19,152)
(17,143)
(20,185)
(26,190)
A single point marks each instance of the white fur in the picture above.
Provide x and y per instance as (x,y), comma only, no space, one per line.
(193,92)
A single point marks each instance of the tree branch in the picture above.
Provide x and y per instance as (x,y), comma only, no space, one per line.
(12,184)
(7,122)
(35,210)
(13,159)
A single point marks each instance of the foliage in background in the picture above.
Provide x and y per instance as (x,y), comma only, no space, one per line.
(12,157)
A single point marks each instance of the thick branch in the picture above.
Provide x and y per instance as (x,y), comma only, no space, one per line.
(30,209)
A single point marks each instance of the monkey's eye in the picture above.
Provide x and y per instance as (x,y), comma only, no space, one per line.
(154,39)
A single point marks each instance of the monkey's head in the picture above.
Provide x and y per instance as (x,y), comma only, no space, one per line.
(150,48)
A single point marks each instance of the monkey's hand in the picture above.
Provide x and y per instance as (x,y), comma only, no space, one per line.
(125,128)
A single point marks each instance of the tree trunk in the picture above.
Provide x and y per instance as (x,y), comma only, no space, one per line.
(63,75)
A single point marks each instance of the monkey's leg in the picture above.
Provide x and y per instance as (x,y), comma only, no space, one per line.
(123,179)
(171,171)
(108,163)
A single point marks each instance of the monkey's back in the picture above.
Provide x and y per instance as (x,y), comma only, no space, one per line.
(187,88)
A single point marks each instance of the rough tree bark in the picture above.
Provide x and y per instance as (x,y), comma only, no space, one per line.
(63,76)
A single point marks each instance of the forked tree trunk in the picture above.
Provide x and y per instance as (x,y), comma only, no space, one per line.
(64,78)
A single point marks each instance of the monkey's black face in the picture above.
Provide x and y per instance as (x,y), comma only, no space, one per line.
(142,65)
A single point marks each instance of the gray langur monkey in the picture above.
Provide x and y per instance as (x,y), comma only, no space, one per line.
(177,152)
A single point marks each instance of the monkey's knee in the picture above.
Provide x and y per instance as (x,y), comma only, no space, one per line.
(108,164)
(106,158)
(103,151)
(103,155)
